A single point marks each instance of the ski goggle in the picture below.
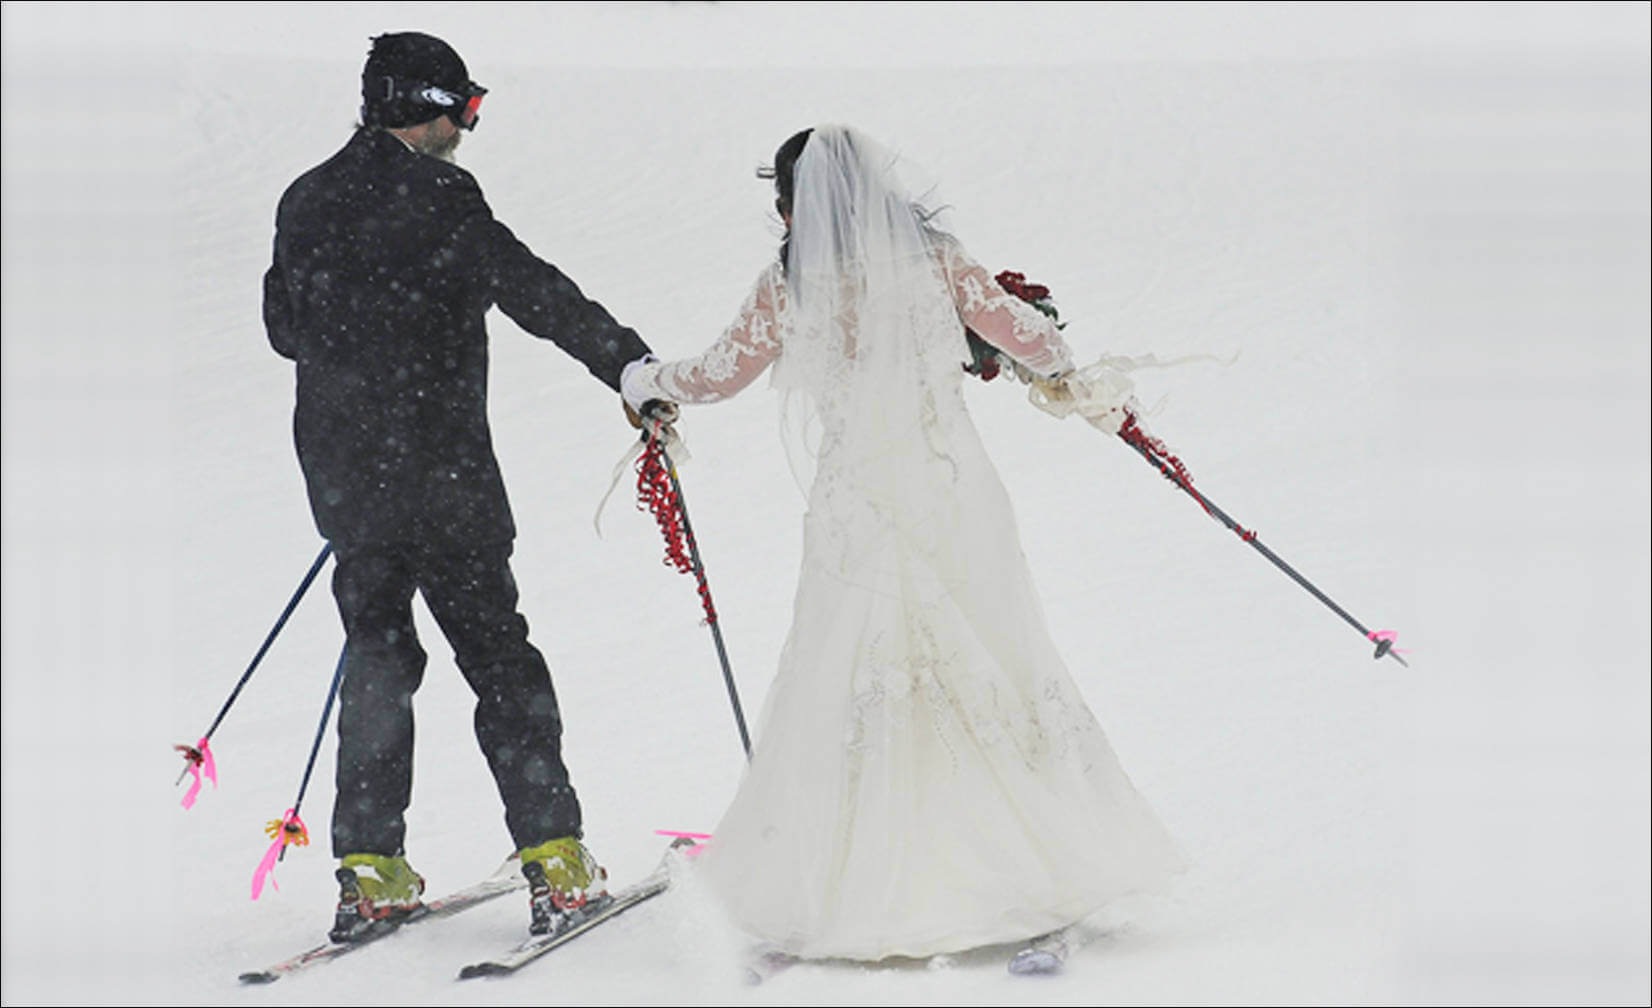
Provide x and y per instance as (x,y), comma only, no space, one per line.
(463,109)
(469,114)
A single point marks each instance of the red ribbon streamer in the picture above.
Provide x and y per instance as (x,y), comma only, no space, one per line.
(1170,465)
(657,495)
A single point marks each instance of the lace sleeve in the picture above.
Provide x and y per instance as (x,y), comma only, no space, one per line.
(1007,322)
(746,348)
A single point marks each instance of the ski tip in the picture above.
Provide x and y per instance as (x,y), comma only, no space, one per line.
(260,977)
(1034,962)
(766,967)
(483,969)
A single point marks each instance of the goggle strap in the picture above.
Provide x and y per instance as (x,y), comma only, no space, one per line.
(460,107)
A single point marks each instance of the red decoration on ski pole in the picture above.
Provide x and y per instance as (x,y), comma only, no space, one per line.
(1153,450)
(289,830)
(657,494)
(1170,465)
(198,760)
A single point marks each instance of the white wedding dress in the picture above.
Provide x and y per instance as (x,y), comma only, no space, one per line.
(926,776)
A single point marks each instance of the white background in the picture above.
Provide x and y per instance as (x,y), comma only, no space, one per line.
(1423,228)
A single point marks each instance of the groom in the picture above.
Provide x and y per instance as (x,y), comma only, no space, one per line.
(386,260)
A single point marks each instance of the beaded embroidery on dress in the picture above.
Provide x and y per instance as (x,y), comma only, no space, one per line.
(926,776)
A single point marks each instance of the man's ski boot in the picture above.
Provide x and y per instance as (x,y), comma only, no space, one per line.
(374,892)
(563,877)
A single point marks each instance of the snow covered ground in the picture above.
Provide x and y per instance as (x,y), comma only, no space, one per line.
(1424,228)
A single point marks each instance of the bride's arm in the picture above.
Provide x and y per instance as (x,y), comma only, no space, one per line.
(745,349)
(1028,335)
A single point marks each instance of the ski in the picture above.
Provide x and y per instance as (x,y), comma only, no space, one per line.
(1045,954)
(765,966)
(576,923)
(508,878)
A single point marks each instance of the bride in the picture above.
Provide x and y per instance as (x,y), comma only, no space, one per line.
(926,777)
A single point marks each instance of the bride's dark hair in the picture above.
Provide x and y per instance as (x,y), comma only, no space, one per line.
(784,173)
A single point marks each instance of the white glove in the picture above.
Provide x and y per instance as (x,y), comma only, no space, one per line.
(632,388)
(1103,395)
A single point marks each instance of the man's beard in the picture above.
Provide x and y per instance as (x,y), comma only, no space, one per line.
(440,147)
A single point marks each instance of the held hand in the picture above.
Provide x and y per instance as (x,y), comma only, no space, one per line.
(634,389)
(1102,395)
(644,411)
(660,411)
(656,414)
(1053,395)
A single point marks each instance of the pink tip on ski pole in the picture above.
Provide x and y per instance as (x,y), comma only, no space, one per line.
(197,758)
(289,829)
(1385,642)
(696,849)
(208,763)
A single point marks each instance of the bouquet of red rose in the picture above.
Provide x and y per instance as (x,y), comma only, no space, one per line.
(985,360)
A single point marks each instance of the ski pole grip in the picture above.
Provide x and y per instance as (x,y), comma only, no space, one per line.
(660,411)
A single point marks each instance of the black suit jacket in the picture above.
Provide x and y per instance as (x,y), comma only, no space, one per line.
(386,261)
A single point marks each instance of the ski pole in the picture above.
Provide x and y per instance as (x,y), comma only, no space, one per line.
(1171,467)
(321,728)
(987,361)
(289,830)
(200,753)
(659,492)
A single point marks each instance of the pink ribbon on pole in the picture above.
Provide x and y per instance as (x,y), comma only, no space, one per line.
(289,829)
(1390,636)
(698,848)
(197,759)
(211,764)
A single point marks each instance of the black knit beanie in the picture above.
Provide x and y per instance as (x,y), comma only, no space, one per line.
(401,70)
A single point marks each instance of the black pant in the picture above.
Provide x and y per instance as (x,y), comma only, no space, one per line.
(473,597)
